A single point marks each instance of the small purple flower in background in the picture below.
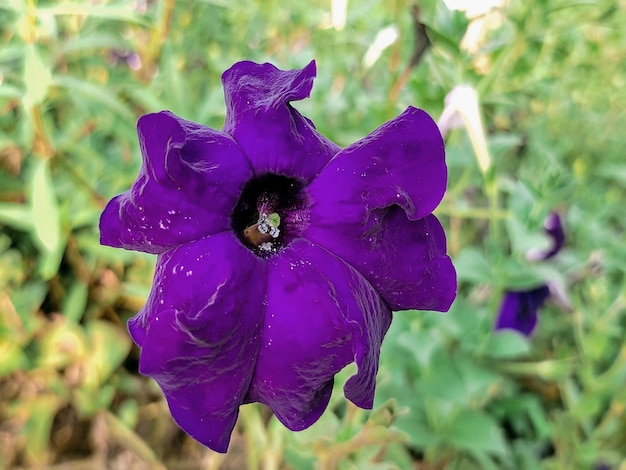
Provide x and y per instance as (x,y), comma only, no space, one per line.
(554,229)
(519,309)
(280,255)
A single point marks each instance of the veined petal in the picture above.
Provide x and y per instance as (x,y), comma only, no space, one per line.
(199,333)
(400,163)
(405,260)
(275,137)
(188,186)
(371,206)
(321,315)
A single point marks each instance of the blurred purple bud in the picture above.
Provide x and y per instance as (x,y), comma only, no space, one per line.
(519,309)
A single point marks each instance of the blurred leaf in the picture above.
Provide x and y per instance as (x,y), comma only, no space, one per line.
(442,382)
(27,300)
(39,413)
(108,346)
(511,274)
(125,14)
(75,302)
(37,77)
(15,5)
(17,216)
(548,369)
(97,41)
(522,239)
(428,345)
(10,91)
(476,431)
(127,438)
(78,89)
(420,434)
(46,218)
(11,338)
(471,265)
(45,208)
(128,413)
(61,344)
(506,344)
(89,400)
(613,171)
(479,382)
(13,356)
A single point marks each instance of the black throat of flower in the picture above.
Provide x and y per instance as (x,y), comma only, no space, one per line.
(272,210)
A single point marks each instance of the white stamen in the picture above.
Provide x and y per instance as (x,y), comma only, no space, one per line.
(266,246)
(264,228)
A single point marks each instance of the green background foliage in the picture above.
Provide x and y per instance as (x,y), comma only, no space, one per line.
(452,394)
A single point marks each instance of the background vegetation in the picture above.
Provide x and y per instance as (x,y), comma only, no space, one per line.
(452,394)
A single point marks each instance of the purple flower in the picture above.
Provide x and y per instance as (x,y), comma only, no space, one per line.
(519,309)
(553,227)
(280,255)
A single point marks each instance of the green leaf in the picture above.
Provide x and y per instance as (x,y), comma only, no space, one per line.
(547,370)
(477,431)
(36,432)
(11,352)
(27,300)
(507,344)
(75,302)
(46,218)
(125,436)
(418,430)
(10,91)
(61,344)
(95,94)
(109,12)
(14,5)
(471,265)
(45,210)
(522,239)
(37,77)
(108,347)
(12,338)
(89,401)
(17,216)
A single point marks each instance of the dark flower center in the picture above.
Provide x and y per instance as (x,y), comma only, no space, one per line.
(272,210)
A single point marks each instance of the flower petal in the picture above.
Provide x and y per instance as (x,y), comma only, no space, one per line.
(200,331)
(371,206)
(321,315)
(188,186)
(400,163)
(554,229)
(519,309)
(275,137)
(404,260)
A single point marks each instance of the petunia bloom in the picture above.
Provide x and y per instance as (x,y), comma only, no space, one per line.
(553,228)
(519,309)
(280,255)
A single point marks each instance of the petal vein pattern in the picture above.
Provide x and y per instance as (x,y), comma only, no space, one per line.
(275,136)
(188,185)
(371,206)
(321,316)
(200,337)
